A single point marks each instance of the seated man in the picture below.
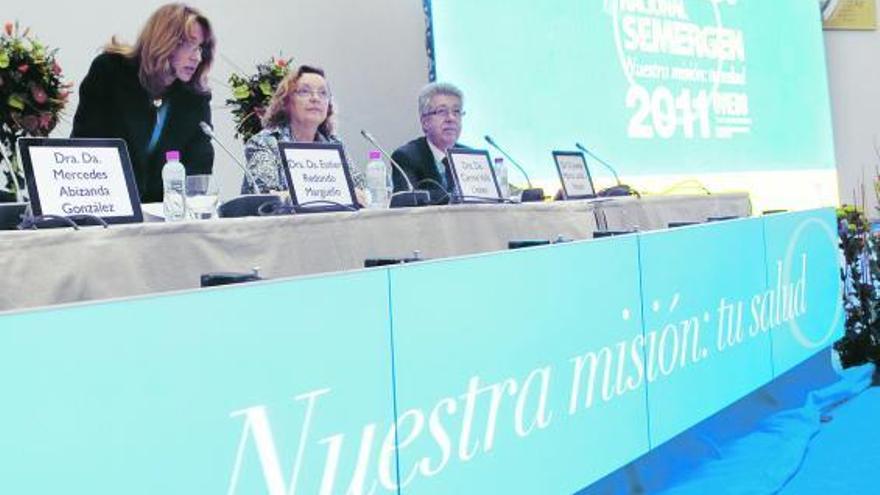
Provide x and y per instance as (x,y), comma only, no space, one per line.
(424,158)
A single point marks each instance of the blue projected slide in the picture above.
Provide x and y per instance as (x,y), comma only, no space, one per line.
(655,86)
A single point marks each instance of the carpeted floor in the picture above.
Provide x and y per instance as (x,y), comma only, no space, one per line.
(812,430)
(844,456)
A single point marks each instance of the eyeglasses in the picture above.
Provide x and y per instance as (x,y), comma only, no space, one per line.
(192,48)
(321,94)
(446,113)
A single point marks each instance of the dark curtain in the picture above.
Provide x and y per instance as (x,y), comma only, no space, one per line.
(429,40)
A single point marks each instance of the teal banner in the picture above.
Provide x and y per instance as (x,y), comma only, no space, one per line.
(275,389)
(530,371)
(801,306)
(704,350)
(516,370)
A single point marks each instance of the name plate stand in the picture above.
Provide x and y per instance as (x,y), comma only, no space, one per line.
(574,175)
(475,179)
(318,177)
(71,177)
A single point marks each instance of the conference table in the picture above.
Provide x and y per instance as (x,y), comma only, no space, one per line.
(59,266)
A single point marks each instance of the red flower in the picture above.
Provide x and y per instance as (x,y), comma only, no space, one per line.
(8,28)
(23,68)
(56,69)
(281,63)
(46,121)
(39,94)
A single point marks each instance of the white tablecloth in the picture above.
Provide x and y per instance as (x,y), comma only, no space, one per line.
(63,266)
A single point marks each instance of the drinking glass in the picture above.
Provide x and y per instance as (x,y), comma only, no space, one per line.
(201,196)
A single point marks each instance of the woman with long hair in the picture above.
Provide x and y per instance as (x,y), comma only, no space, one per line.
(153,95)
(301,110)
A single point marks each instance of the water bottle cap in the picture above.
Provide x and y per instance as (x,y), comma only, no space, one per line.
(172,156)
(375,155)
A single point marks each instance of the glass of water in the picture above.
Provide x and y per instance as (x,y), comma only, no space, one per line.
(202,194)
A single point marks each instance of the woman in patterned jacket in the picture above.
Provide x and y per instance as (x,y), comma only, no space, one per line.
(301,110)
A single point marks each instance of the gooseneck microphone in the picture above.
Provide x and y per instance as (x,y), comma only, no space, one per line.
(492,142)
(530,194)
(620,189)
(369,137)
(412,196)
(209,131)
(246,205)
(603,162)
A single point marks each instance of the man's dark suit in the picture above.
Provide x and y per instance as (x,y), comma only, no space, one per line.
(416,158)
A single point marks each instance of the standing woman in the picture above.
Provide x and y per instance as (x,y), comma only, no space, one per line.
(153,95)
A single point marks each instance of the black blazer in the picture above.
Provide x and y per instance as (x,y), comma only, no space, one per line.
(113,104)
(416,159)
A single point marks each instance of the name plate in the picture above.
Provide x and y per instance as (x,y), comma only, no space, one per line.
(318,176)
(473,174)
(80,177)
(574,175)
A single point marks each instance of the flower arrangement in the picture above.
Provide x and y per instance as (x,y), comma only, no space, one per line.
(861,288)
(32,92)
(251,94)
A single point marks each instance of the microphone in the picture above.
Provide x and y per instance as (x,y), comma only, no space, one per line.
(412,196)
(530,194)
(245,205)
(209,131)
(620,189)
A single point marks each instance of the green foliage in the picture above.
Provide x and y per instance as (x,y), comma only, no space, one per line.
(251,95)
(861,295)
(32,90)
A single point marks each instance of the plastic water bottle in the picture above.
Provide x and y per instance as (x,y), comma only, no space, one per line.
(501,175)
(174,182)
(378,182)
